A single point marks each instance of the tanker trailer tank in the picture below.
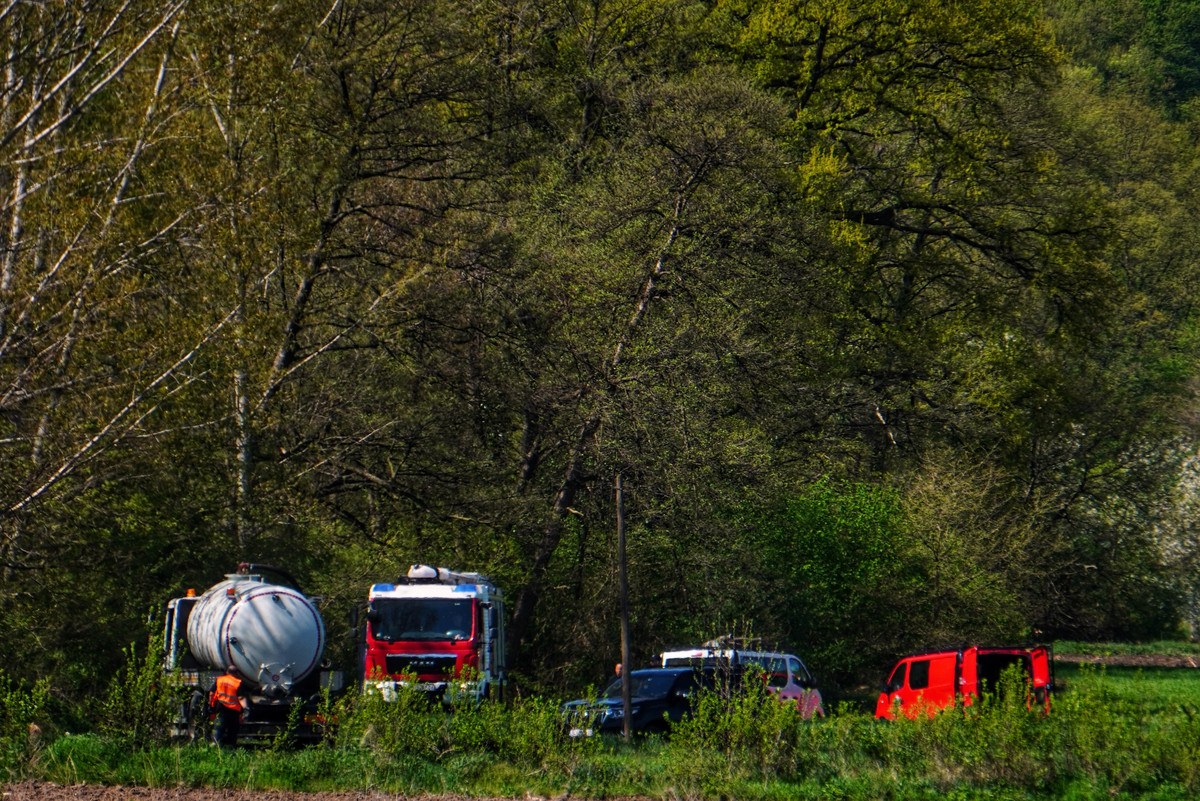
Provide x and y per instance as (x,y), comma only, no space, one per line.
(275,638)
(273,635)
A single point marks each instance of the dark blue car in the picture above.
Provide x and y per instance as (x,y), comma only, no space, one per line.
(660,697)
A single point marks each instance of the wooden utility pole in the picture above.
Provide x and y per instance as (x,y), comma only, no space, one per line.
(623,578)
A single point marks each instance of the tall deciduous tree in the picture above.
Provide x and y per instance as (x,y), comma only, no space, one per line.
(413,281)
(975,292)
(89,277)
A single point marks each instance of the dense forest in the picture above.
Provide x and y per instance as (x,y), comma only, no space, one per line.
(884,313)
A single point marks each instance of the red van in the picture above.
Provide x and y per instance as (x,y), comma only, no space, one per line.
(923,684)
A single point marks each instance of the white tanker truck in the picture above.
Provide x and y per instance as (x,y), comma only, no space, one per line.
(274,636)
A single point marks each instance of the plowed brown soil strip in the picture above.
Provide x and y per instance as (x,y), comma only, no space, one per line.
(1132,660)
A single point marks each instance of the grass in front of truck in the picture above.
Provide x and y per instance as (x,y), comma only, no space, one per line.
(1114,732)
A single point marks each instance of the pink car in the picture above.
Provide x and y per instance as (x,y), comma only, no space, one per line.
(786,674)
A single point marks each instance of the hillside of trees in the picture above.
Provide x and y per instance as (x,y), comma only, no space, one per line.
(884,312)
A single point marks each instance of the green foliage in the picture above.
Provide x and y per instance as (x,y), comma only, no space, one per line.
(1092,740)
(285,737)
(1146,48)
(902,282)
(1143,691)
(1110,733)
(1160,647)
(838,574)
(530,733)
(737,733)
(857,573)
(22,709)
(402,721)
(141,700)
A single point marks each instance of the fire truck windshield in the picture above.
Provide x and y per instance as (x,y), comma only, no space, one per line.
(395,619)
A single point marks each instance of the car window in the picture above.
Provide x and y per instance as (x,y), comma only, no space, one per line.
(918,674)
(693,662)
(799,673)
(687,684)
(777,672)
(642,685)
(896,682)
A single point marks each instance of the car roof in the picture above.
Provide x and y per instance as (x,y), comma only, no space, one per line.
(664,671)
(724,653)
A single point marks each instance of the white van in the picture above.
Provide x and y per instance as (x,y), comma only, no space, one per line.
(786,674)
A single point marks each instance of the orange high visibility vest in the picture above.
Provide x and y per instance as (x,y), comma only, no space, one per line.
(226,692)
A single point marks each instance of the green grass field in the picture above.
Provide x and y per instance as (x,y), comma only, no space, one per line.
(1161,689)
(1113,733)
(1162,648)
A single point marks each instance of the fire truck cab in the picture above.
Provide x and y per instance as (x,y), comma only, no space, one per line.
(437,630)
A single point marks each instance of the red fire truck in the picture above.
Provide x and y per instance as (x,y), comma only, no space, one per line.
(440,631)
(923,684)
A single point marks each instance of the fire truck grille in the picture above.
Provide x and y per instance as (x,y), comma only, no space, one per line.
(421,664)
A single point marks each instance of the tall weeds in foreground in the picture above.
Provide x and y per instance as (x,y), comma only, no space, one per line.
(1089,740)
(1095,743)
(400,722)
(140,700)
(738,732)
(1128,741)
(529,733)
(20,736)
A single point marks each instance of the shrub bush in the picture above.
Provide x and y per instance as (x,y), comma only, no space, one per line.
(20,734)
(737,733)
(141,700)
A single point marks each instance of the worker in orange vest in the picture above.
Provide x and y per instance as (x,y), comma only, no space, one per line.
(229,702)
